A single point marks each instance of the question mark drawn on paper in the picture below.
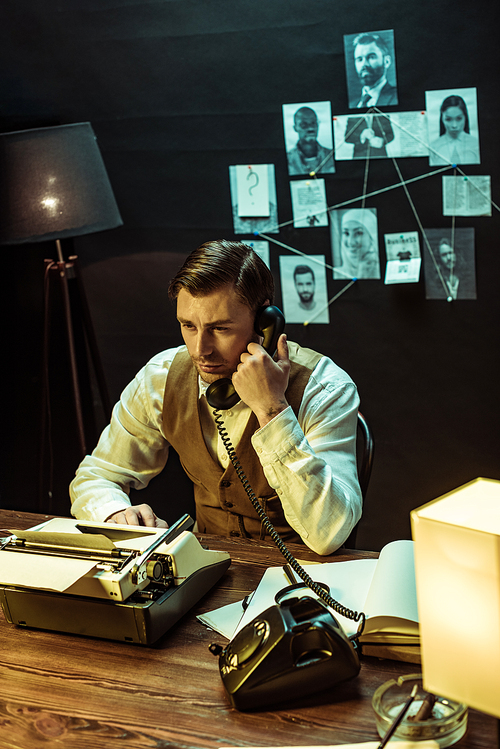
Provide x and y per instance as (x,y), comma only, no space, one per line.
(251,173)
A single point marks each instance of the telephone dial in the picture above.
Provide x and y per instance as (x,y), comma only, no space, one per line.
(296,645)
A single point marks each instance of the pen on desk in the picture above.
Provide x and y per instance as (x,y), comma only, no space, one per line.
(399,717)
(289,574)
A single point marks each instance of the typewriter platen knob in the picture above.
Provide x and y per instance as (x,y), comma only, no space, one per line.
(154,570)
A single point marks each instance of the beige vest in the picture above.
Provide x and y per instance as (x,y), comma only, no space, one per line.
(222,505)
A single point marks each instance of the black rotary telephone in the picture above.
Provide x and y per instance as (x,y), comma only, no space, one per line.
(270,324)
(295,647)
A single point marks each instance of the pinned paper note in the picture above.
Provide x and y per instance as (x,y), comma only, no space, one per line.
(252,186)
(309,203)
(403,257)
(265,222)
(467,196)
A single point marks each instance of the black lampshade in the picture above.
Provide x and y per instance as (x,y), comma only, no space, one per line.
(53,185)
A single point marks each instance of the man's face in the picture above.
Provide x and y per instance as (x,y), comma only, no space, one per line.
(306,126)
(304,283)
(216,329)
(448,257)
(370,63)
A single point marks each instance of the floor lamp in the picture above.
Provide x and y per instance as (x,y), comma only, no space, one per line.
(54,186)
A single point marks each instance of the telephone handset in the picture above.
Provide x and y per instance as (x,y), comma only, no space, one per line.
(270,324)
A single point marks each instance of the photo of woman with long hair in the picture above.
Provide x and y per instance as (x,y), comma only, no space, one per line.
(456,143)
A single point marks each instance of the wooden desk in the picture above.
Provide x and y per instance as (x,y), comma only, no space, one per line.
(67,691)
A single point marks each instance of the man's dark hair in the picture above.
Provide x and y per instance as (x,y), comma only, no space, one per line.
(300,270)
(371,39)
(219,263)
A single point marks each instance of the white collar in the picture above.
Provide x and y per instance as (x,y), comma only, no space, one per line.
(202,387)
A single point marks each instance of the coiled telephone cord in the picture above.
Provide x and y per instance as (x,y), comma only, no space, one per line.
(294,564)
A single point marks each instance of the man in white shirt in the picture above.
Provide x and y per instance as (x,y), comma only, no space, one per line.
(372,61)
(293,429)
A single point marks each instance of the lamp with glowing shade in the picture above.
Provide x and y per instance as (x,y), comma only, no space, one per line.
(54,186)
(457,566)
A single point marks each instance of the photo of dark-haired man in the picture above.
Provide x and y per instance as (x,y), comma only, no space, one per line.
(303,276)
(370,69)
(304,289)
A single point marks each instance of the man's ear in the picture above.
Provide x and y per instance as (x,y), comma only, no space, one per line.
(258,312)
(387,61)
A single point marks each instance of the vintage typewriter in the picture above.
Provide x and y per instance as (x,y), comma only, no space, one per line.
(119,582)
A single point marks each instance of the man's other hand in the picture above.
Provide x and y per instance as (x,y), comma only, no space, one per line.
(137,515)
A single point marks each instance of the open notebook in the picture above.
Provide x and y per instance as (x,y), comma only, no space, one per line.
(383,588)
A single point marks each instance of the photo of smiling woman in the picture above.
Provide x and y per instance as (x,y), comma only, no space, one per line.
(458,141)
(354,238)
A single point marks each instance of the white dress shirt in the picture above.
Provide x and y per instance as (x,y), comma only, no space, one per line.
(310,461)
(369,96)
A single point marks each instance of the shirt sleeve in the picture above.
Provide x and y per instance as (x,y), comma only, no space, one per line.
(310,460)
(131,450)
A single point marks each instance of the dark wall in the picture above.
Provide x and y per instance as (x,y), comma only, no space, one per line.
(177,91)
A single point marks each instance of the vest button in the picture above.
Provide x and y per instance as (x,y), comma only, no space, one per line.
(228,504)
(225,484)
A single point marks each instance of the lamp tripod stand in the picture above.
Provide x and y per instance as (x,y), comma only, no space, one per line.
(65,278)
